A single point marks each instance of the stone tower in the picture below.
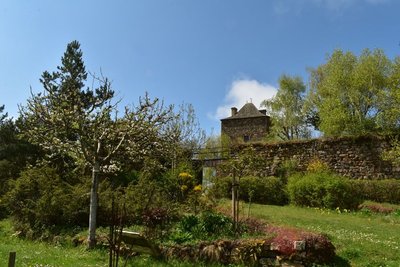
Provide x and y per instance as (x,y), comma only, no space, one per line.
(246,125)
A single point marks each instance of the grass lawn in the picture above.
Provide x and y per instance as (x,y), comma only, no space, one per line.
(41,254)
(363,239)
(35,254)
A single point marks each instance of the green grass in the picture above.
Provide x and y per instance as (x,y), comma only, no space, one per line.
(41,254)
(361,239)
(144,261)
(33,253)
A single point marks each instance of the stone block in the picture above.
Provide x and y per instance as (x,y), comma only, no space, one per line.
(299,245)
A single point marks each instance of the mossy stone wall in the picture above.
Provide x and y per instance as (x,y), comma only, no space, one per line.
(355,157)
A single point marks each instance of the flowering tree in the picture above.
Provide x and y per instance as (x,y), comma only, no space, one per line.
(82,122)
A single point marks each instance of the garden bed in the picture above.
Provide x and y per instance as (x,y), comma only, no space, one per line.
(281,246)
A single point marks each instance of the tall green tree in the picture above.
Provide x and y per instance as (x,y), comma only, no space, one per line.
(388,119)
(70,118)
(286,109)
(2,114)
(15,153)
(352,94)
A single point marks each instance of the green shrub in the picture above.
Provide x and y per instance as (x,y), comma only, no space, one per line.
(207,225)
(317,165)
(287,168)
(262,190)
(37,200)
(189,222)
(215,224)
(221,187)
(322,189)
(387,190)
(41,202)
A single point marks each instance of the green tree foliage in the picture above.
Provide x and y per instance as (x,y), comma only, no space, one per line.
(215,147)
(286,110)
(15,154)
(356,95)
(83,123)
(2,114)
(247,162)
(389,117)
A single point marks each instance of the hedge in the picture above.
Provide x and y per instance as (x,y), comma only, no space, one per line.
(387,190)
(263,190)
(323,190)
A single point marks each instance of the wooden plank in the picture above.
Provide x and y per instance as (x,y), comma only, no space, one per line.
(140,244)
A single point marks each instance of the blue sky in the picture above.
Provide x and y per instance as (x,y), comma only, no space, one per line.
(213,54)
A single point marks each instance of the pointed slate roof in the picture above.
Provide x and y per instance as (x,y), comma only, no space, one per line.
(249,110)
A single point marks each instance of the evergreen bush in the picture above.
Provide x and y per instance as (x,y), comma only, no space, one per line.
(387,190)
(42,201)
(39,200)
(323,190)
(206,225)
(221,187)
(263,190)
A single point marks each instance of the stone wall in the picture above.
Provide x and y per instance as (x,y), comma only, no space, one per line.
(255,128)
(356,157)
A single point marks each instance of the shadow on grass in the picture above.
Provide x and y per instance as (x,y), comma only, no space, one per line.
(340,262)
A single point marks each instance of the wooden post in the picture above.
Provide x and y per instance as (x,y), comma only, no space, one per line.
(11,259)
(235,201)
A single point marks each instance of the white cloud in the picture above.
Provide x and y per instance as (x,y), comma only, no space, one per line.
(241,92)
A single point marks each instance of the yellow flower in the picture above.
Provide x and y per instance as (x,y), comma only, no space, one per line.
(184,188)
(197,188)
(185,176)
(316,165)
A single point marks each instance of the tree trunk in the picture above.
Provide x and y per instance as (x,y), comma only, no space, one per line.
(93,205)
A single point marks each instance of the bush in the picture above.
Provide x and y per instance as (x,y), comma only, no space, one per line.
(323,190)
(157,222)
(40,200)
(387,190)
(207,225)
(221,187)
(212,224)
(262,190)
(317,165)
(287,168)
